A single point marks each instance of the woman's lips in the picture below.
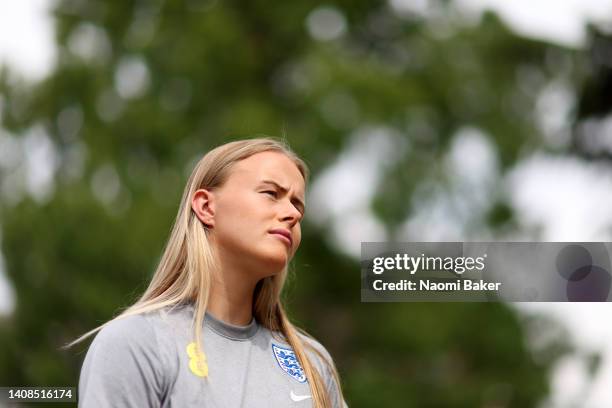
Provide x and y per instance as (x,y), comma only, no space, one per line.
(284,235)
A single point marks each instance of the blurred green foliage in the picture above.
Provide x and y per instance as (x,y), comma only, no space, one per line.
(143,88)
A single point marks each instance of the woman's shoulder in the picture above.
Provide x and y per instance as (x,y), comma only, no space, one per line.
(143,329)
(129,331)
(314,345)
(126,353)
(125,324)
(134,338)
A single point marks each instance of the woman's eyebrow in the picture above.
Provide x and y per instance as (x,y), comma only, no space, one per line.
(283,190)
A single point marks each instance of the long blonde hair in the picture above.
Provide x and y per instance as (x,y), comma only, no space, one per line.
(185,270)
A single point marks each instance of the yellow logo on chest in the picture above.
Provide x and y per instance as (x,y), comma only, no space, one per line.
(197,361)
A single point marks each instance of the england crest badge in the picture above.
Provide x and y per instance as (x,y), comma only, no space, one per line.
(286,359)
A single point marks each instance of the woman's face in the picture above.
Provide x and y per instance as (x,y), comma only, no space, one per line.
(257,213)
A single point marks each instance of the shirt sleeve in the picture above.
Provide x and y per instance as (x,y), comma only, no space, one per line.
(122,367)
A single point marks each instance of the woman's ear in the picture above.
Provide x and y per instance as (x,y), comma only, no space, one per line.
(203,205)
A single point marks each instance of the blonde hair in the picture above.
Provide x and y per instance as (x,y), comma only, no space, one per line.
(185,270)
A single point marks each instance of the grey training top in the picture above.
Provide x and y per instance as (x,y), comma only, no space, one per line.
(148,360)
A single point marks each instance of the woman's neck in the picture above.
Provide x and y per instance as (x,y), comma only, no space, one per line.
(231,299)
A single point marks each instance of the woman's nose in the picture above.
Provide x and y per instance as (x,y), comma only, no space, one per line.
(289,212)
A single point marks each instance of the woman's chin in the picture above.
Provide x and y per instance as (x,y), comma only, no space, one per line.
(275,262)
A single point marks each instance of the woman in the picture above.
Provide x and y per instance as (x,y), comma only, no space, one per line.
(210,329)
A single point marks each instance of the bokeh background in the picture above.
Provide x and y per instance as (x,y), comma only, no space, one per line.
(421,120)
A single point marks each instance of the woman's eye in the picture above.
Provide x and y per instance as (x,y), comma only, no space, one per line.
(270,192)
